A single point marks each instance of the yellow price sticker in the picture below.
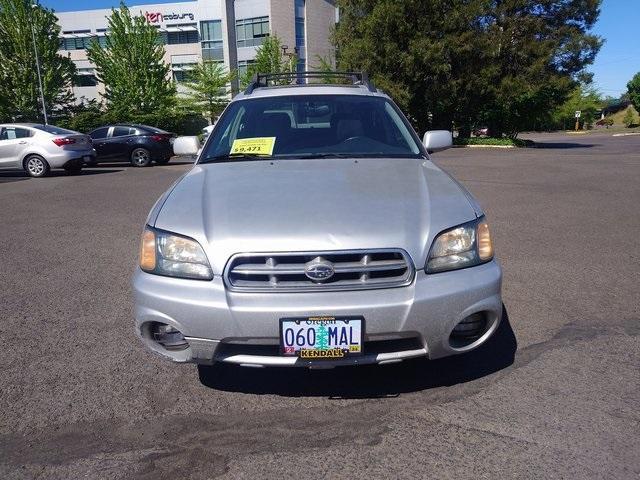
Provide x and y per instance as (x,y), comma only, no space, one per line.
(255,146)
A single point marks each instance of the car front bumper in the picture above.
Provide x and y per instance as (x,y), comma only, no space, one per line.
(243,328)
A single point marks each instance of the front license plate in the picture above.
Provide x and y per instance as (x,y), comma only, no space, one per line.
(321,338)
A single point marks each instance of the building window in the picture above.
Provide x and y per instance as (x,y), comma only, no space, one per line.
(180,76)
(75,43)
(243,65)
(251,32)
(86,77)
(300,38)
(299,32)
(211,30)
(211,36)
(212,51)
(75,39)
(178,38)
(181,65)
(85,81)
(101,37)
(300,24)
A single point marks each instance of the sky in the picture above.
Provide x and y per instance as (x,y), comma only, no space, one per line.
(72,5)
(619,58)
(617,61)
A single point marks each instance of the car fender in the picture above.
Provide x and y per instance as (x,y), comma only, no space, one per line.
(33,150)
(139,142)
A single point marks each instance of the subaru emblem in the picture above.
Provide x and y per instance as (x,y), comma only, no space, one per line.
(319,270)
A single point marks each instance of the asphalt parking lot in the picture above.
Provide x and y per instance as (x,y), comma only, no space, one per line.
(556,394)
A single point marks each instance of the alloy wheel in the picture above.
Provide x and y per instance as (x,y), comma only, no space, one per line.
(36,166)
(140,157)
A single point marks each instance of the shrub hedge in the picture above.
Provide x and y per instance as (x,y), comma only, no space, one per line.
(504,141)
(175,122)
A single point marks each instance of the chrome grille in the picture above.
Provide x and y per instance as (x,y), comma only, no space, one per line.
(285,272)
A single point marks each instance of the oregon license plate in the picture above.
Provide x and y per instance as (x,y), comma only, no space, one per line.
(321,338)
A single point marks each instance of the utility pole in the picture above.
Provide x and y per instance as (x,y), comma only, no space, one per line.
(34,6)
(232,44)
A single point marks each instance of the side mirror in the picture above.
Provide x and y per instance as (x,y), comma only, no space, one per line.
(437,140)
(186,146)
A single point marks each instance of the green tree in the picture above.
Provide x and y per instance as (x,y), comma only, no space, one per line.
(131,65)
(629,118)
(270,59)
(19,91)
(584,98)
(542,48)
(208,88)
(324,64)
(633,91)
(506,63)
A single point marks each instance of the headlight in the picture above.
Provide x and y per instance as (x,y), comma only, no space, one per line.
(164,253)
(460,247)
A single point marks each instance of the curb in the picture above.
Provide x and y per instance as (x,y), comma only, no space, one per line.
(484,146)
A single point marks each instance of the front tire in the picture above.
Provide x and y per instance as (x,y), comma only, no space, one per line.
(140,157)
(36,166)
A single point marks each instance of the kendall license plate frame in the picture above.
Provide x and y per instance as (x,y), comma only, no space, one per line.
(322,337)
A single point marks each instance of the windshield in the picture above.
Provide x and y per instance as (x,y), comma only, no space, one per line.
(312,126)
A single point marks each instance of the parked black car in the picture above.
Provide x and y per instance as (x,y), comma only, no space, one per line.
(138,144)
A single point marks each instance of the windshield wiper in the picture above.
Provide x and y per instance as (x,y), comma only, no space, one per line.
(306,156)
(236,156)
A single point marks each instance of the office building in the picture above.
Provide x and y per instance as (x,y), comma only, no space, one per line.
(225,31)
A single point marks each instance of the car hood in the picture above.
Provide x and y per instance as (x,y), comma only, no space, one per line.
(314,205)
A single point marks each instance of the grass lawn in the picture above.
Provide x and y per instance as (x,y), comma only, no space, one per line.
(492,142)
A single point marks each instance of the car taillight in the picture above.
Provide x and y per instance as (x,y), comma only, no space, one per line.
(159,138)
(64,141)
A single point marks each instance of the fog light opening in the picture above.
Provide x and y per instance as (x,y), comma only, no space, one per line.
(168,337)
(468,330)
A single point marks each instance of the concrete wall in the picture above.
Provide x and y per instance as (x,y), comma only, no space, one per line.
(282,22)
(320,21)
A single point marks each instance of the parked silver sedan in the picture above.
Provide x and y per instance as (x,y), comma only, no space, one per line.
(314,230)
(37,148)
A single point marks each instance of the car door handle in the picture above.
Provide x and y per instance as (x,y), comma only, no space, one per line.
(23,142)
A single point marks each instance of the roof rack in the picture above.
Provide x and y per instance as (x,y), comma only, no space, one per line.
(263,79)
